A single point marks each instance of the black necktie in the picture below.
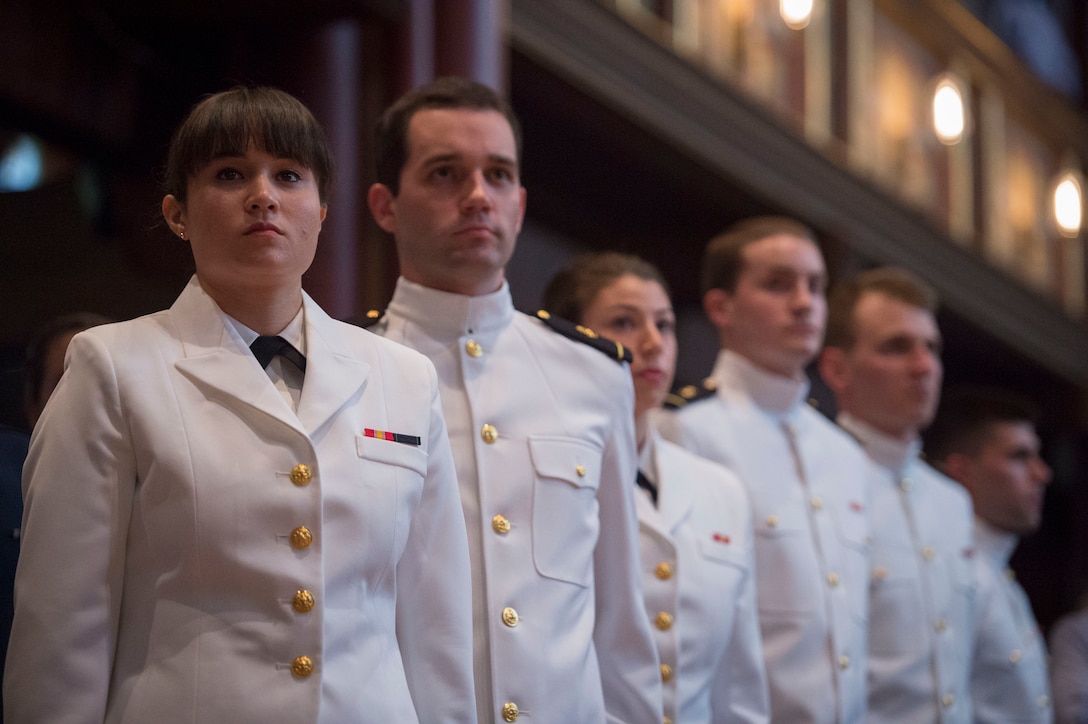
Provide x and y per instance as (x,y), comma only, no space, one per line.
(645,484)
(266,347)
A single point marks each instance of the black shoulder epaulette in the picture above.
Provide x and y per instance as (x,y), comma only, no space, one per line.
(369,319)
(691,393)
(577,332)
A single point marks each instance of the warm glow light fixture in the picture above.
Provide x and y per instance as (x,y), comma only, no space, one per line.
(949,112)
(795,13)
(1068,204)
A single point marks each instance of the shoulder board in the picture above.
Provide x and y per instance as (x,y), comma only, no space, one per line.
(369,319)
(691,393)
(578,333)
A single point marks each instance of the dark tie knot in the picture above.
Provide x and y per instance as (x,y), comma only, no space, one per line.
(266,347)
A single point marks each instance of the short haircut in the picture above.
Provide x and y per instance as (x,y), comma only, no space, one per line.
(894,282)
(391,133)
(38,349)
(967,415)
(576,285)
(723,260)
(227,123)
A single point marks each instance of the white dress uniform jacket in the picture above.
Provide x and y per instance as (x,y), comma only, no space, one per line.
(194,551)
(922,588)
(542,430)
(1009,683)
(806,480)
(1069,668)
(698,567)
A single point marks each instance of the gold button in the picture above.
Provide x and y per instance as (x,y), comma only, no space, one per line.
(940,625)
(1014,656)
(302,666)
(663,620)
(510,617)
(928,553)
(510,711)
(303,602)
(906,484)
(844,662)
(772,520)
(817,504)
(301,537)
(948,700)
(663,571)
(1010,574)
(581,470)
(474,349)
(500,525)
(301,475)
(666,673)
(666,720)
(880,573)
(833,579)
(489,434)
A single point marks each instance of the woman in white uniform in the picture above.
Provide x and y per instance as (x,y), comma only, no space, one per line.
(239,509)
(695,530)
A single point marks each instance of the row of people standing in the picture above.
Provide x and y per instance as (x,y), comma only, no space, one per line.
(290,542)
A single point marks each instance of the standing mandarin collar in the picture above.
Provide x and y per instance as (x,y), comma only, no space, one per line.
(445,315)
(996,545)
(887,451)
(778,395)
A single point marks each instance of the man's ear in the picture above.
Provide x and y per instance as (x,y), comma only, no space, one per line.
(959,466)
(834,369)
(382,207)
(717,303)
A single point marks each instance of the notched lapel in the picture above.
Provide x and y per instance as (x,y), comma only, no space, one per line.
(334,374)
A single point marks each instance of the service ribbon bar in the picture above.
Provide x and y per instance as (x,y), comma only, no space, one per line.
(393,436)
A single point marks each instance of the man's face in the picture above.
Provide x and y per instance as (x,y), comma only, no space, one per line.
(1007,478)
(891,377)
(461,203)
(775,317)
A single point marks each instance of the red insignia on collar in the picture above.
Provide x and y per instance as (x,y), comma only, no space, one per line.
(968,552)
(721,538)
(856,506)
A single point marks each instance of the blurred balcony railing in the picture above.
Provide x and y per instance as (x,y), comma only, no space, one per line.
(857,79)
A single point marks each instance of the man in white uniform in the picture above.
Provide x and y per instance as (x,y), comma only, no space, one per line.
(541,427)
(763,283)
(986,441)
(882,360)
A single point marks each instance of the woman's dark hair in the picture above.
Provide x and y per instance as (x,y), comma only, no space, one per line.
(227,123)
(577,284)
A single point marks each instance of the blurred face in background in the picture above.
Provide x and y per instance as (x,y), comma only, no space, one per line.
(1006,477)
(891,377)
(638,314)
(775,316)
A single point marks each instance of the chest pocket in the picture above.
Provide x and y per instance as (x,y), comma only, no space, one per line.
(784,545)
(391,479)
(567,473)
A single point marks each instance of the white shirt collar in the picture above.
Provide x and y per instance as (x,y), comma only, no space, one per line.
(775,393)
(294,332)
(444,313)
(885,450)
(997,545)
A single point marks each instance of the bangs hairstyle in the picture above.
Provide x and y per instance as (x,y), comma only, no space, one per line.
(893,282)
(391,133)
(576,285)
(227,123)
(723,260)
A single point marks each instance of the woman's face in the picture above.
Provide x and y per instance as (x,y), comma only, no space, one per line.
(252,221)
(637,313)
